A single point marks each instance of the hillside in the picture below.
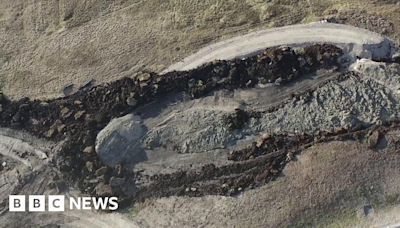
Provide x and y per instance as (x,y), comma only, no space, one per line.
(46,45)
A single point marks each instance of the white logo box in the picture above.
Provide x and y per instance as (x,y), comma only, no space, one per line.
(36,203)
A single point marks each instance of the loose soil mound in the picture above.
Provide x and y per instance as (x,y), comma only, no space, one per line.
(79,117)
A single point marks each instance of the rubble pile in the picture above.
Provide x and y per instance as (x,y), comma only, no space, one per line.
(79,117)
(254,166)
(237,119)
(270,144)
(227,180)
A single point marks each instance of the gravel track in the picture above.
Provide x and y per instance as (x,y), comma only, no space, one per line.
(362,42)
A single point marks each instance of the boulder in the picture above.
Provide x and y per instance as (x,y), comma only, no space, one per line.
(88,150)
(89,166)
(373,139)
(119,141)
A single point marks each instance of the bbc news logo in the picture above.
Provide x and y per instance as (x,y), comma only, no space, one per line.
(57,203)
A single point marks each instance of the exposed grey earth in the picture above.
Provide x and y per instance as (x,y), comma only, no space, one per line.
(177,133)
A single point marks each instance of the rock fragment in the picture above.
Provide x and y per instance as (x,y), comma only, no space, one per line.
(374,138)
(89,150)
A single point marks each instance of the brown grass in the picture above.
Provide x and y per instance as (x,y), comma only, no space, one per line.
(74,41)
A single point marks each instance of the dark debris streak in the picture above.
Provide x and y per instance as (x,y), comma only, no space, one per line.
(79,117)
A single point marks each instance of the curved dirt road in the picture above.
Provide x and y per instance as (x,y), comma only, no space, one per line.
(361,42)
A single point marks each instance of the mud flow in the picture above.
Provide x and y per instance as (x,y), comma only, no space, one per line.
(220,129)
